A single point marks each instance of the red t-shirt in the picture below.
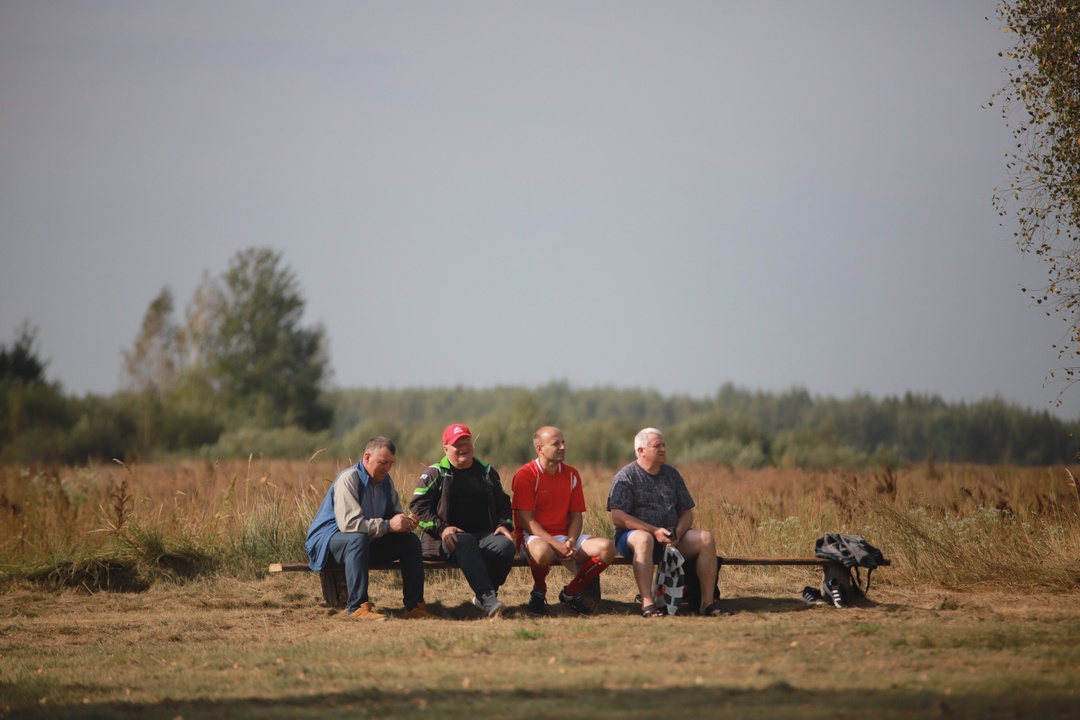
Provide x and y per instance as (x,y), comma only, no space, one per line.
(551,497)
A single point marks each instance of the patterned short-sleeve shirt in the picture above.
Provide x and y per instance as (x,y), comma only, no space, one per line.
(655,499)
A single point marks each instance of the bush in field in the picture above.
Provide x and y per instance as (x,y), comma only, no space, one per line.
(608,441)
(725,451)
(104,430)
(280,443)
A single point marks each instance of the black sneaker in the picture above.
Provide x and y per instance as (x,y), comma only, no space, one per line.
(811,596)
(574,602)
(834,594)
(537,603)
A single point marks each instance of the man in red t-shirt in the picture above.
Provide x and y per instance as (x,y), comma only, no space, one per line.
(548,507)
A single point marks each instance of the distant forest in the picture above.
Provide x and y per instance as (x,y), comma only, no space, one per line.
(734,427)
(239,376)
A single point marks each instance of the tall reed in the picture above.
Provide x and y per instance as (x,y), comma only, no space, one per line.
(123,527)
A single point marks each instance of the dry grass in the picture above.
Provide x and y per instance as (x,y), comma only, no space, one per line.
(978,615)
(953,527)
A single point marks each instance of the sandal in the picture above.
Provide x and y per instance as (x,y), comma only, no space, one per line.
(651,611)
(714,610)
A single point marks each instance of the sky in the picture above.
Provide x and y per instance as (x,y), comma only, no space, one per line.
(633,194)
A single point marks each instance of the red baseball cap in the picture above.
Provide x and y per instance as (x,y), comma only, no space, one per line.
(453,432)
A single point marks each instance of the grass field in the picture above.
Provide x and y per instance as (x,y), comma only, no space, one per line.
(264,649)
(141,592)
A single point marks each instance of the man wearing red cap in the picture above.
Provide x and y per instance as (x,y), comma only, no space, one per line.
(465,516)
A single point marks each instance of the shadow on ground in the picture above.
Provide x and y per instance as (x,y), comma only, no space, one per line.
(608,607)
(777,700)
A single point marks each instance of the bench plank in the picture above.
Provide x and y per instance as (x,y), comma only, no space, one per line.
(336,594)
(518,562)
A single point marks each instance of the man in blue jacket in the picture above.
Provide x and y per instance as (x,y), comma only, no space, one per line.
(361,521)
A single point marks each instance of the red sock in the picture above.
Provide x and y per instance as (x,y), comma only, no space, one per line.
(588,570)
(539,575)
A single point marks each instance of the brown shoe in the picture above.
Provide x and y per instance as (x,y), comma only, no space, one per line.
(366,611)
(420,612)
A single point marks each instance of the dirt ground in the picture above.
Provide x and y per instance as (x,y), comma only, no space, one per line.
(271,648)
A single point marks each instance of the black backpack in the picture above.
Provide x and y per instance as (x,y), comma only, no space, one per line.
(848,552)
(692,587)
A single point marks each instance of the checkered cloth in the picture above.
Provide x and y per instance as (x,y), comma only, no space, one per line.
(670,581)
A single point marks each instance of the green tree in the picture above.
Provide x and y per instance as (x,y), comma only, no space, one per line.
(154,361)
(165,388)
(266,367)
(34,413)
(20,361)
(1041,105)
(151,367)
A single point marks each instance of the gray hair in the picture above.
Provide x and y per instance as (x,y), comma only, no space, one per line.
(642,438)
(380,441)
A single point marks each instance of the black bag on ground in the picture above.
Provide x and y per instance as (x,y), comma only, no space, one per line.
(692,588)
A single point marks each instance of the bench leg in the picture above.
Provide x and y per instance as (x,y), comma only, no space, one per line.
(334,590)
(836,585)
(592,594)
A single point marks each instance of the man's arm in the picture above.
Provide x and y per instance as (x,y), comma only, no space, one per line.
(686,519)
(398,521)
(575,511)
(395,499)
(573,529)
(505,517)
(350,514)
(425,502)
(623,519)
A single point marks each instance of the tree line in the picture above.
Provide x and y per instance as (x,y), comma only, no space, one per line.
(736,427)
(240,375)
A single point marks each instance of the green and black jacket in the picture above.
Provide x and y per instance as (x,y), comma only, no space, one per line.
(431,503)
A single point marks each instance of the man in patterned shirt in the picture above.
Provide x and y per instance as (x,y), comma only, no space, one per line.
(651,509)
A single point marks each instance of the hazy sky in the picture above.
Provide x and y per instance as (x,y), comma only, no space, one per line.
(669,195)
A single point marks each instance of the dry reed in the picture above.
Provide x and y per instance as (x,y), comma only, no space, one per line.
(125,526)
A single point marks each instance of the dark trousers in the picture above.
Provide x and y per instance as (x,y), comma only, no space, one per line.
(356,551)
(484,558)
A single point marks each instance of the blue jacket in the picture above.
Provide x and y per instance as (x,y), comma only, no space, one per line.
(352,504)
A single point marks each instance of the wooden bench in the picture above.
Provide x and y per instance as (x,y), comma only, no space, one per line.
(336,594)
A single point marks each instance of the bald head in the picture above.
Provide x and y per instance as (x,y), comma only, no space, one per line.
(550,447)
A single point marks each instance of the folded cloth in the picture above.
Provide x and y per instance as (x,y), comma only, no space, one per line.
(670,581)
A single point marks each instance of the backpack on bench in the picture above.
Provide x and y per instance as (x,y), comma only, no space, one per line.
(847,553)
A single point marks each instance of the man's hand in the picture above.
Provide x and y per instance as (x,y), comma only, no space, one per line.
(571,547)
(563,550)
(449,537)
(664,536)
(503,531)
(403,523)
